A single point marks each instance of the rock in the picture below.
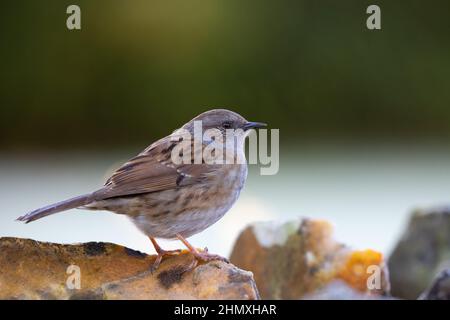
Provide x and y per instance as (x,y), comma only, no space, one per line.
(439,289)
(299,257)
(38,270)
(420,253)
(339,290)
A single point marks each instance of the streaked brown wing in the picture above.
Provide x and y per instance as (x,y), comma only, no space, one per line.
(152,171)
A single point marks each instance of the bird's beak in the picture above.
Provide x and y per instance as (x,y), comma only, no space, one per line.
(253,125)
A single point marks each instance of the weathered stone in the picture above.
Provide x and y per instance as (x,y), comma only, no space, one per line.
(419,254)
(440,288)
(38,270)
(340,290)
(300,257)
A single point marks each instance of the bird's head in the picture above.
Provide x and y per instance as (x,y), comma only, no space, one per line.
(223,120)
(218,129)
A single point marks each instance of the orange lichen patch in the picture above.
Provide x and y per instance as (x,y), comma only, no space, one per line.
(355,269)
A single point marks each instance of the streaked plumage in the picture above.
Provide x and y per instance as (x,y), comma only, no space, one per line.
(164,199)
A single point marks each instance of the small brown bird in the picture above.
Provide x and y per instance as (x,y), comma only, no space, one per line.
(168,199)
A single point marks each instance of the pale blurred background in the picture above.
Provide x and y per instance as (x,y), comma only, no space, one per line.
(364,116)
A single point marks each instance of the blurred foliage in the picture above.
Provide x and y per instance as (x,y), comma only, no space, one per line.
(139,69)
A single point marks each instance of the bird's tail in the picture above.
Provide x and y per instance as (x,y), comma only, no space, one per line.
(55,208)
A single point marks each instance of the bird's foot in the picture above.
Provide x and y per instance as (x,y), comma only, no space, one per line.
(161,254)
(205,256)
(201,255)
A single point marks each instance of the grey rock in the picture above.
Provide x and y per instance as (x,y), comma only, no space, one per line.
(420,253)
(440,288)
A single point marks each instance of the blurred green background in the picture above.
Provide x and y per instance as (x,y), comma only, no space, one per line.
(364,116)
(139,69)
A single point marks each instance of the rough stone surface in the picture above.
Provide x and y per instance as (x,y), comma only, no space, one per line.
(297,258)
(421,252)
(340,290)
(440,288)
(37,270)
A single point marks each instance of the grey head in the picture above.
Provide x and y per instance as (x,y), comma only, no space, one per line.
(223,120)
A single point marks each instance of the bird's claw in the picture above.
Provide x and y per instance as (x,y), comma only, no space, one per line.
(205,256)
(160,256)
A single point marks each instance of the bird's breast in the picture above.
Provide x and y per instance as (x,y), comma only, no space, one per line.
(230,178)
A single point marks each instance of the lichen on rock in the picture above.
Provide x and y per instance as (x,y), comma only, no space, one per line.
(38,270)
(297,258)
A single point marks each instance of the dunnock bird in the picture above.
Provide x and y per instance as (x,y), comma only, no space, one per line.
(168,199)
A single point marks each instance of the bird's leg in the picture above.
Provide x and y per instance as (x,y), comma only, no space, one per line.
(204,255)
(161,253)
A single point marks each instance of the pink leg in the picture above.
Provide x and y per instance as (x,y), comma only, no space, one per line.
(203,256)
(161,253)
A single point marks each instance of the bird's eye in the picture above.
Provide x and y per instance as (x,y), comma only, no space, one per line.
(226,124)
